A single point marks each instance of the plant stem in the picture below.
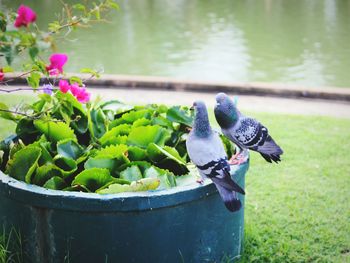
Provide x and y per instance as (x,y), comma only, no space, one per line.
(23,89)
(12,79)
(35,116)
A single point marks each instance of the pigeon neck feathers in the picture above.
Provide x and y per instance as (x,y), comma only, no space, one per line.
(225,111)
(226,116)
(201,125)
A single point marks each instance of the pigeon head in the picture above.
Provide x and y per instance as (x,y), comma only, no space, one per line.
(225,111)
(201,126)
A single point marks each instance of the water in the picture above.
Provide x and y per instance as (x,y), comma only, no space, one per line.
(293,42)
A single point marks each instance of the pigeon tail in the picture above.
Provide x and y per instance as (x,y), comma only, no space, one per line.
(230,198)
(270,150)
(227,182)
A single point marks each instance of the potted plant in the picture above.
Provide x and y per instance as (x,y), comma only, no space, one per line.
(93,181)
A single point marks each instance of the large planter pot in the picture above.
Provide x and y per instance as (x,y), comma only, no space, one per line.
(184,224)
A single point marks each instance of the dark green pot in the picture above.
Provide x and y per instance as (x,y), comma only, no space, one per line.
(184,224)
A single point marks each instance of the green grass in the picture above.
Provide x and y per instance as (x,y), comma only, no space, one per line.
(298,210)
(8,127)
(10,247)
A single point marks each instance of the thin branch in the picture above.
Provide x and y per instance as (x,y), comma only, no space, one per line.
(23,89)
(34,116)
(12,79)
(66,25)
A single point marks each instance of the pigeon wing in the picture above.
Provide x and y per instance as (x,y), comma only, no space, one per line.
(251,134)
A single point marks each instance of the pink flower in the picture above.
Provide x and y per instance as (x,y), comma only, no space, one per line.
(57,63)
(25,16)
(78,92)
(2,75)
(75,89)
(64,86)
(83,96)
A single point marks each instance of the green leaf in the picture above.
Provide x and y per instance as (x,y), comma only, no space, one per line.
(131,117)
(7,69)
(26,131)
(161,121)
(3,23)
(111,158)
(34,80)
(228,145)
(131,173)
(167,179)
(167,158)
(54,131)
(24,164)
(46,172)
(97,13)
(179,115)
(115,181)
(144,135)
(40,66)
(79,7)
(68,166)
(100,162)
(7,51)
(73,110)
(173,166)
(145,184)
(55,183)
(75,79)
(54,26)
(1,157)
(157,153)
(109,137)
(77,188)
(93,178)
(69,148)
(141,122)
(33,52)
(137,154)
(90,71)
(113,4)
(38,105)
(116,140)
(112,151)
(5,114)
(142,165)
(116,106)
(15,146)
(98,123)
(45,147)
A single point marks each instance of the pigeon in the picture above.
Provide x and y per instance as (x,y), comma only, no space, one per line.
(246,133)
(207,152)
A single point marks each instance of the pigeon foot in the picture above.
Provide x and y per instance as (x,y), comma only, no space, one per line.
(237,159)
(200,181)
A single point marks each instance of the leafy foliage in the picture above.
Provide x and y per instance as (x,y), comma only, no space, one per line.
(63,144)
(35,40)
(123,148)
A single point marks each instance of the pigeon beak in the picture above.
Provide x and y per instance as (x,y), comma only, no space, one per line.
(217,104)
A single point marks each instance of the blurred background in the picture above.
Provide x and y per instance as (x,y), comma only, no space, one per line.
(291,42)
(297,211)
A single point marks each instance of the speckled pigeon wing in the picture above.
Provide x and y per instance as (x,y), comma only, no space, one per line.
(248,133)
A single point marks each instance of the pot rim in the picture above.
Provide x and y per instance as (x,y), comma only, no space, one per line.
(122,202)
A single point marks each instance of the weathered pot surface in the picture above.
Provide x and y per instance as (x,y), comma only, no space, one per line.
(187,223)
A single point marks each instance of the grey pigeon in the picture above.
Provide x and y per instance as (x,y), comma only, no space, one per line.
(245,132)
(207,152)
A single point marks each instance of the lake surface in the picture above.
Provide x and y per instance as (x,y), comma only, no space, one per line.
(304,42)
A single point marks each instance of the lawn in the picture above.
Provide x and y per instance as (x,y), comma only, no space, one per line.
(298,210)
